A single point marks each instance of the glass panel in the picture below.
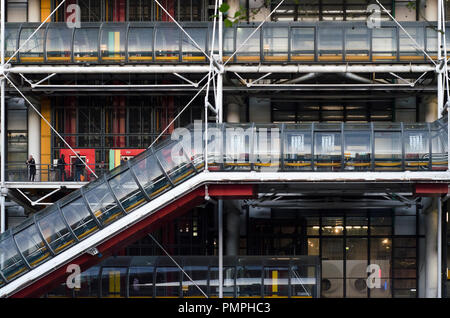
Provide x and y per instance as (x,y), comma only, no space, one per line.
(112,43)
(11,35)
(89,283)
(330,44)
(439,147)
(266,153)
(275,44)
(356,225)
(31,245)
(229,274)
(33,50)
(114,282)
(127,191)
(333,225)
(357,150)
(79,218)
(11,264)
(332,268)
(302,44)
(85,45)
(417,149)
(249,281)
(356,265)
(237,147)
(384,44)
(276,282)
(432,44)
(327,151)
(408,49)
(357,44)
(303,281)
(297,150)
(55,232)
(175,163)
(380,255)
(191,53)
(388,150)
(167,44)
(168,281)
(141,281)
(199,275)
(59,44)
(151,177)
(228,43)
(102,204)
(249,52)
(140,44)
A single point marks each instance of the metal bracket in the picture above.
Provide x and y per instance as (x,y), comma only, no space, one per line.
(93,251)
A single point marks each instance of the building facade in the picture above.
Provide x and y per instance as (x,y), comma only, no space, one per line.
(365,92)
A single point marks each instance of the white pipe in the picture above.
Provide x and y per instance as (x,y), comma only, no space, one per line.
(440,88)
(160,69)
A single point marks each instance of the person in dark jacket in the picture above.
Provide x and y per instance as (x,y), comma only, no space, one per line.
(31,164)
(79,167)
(61,168)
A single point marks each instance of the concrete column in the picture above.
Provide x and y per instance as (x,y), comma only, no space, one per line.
(233,113)
(428,108)
(232,235)
(34,11)
(34,140)
(428,10)
(431,257)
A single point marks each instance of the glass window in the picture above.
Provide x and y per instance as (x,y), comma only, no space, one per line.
(327,151)
(249,281)
(380,225)
(332,225)
(408,49)
(380,255)
(89,283)
(388,150)
(417,150)
(199,274)
(33,50)
(11,263)
(432,42)
(175,163)
(249,52)
(297,150)
(356,265)
(356,225)
(384,44)
(55,232)
(85,45)
(275,43)
(151,177)
(357,148)
(330,43)
(228,277)
(31,245)
(140,44)
(11,35)
(141,281)
(439,147)
(103,204)
(59,44)
(357,44)
(332,267)
(168,282)
(112,43)
(237,147)
(302,44)
(276,281)
(167,44)
(79,218)
(114,282)
(228,43)
(191,53)
(127,191)
(266,148)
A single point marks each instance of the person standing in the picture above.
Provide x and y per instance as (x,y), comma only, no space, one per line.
(61,168)
(31,168)
(78,169)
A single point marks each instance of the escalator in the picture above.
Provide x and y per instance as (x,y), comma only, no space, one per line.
(167,180)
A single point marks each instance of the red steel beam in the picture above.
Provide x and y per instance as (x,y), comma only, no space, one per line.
(430,189)
(135,232)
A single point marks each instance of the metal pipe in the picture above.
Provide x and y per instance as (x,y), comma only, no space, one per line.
(440,89)
(220,225)
(439,248)
(154,69)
